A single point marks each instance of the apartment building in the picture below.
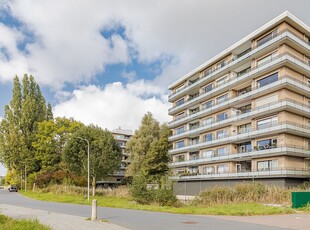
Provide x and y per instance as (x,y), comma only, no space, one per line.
(244,115)
(122,136)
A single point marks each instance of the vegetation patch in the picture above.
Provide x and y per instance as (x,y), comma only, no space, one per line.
(21,224)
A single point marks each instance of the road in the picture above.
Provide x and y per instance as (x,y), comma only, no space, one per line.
(135,219)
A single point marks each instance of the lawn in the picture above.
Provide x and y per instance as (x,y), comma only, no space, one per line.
(21,224)
(239,209)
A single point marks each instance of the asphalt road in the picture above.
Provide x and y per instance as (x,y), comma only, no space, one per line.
(134,219)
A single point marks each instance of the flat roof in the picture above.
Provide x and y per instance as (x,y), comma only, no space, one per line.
(286,16)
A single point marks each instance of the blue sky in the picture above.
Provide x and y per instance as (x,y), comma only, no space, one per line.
(109,62)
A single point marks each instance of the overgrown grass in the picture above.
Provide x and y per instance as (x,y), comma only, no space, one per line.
(21,224)
(118,198)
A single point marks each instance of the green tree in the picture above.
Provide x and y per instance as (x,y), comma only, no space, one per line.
(157,158)
(20,125)
(105,153)
(50,141)
(49,112)
(140,143)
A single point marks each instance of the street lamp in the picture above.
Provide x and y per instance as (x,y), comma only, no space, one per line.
(87,165)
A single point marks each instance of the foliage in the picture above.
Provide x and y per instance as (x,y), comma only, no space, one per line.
(20,224)
(105,153)
(20,125)
(243,193)
(50,141)
(140,143)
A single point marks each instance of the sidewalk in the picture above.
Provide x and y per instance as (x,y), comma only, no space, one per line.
(291,221)
(57,221)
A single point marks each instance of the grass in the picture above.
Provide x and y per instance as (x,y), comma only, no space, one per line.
(234,209)
(21,224)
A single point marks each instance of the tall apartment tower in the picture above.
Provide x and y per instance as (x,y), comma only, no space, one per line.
(122,137)
(244,115)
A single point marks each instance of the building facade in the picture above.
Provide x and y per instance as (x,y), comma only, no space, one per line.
(122,137)
(244,115)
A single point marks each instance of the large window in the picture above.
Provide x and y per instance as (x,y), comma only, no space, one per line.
(180,102)
(221,134)
(266,123)
(208,170)
(193,155)
(180,158)
(221,64)
(267,144)
(245,147)
(209,137)
(267,38)
(179,144)
(244,128)
(208,121)
(207,154)
(222,98)
(267,165)
(268,58)
(222,151)
(222,169)
(208,104)
(194,141)
(208,88)
(222,116)
(267,80)
(180,130)
(222,80)
(193,170)
(179,116)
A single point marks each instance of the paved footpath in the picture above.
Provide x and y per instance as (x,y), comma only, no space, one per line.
(57,221)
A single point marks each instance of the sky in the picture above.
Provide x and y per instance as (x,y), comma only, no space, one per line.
(109,62)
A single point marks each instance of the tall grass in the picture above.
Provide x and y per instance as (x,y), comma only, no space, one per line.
(246,193)
(8,223)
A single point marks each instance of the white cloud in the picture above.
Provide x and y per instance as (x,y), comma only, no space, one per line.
(112,106)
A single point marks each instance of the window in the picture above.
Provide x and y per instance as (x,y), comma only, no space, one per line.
(222,152)
(267,80)
(267,38)
(222,98)
(244,147)
(207,72)
(222,169)
(180,102)
(180,88)
(244,52)
(180,130)
(267,144)
(266,123)
(244,128)
(222,80)
(179,116)
(180,158)
(209,137)
(222,116)
(221,134)
(193,111)
(180,171)
(194,141)
(208,121)
(221,64)
(208,88)
(208,170)
(208,154)
(244,71)
(268,58)
(208,104)
(179,144)
(267,165)
(266,100)
(194,155)
(193,125)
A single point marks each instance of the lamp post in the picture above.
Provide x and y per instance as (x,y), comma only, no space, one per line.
(87,165)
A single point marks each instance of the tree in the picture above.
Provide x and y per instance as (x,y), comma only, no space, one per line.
(49,112)
(105,153)
(157,158)
(140,143)
(20,125)
(50,140)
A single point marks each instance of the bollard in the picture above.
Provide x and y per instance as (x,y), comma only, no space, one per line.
(94,210)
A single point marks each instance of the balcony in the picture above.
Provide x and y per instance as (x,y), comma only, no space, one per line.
(232,174)
(243,56)
(292,150)
(235,80)
(291,105)
(284,80)
(288,127)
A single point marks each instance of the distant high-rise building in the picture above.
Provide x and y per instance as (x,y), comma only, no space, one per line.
(244,115)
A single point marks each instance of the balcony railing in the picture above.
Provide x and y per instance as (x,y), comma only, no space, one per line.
(229,82)
(274,171)
(282,33)
(276,127)
(253,112)
(254,152)
(240,97)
